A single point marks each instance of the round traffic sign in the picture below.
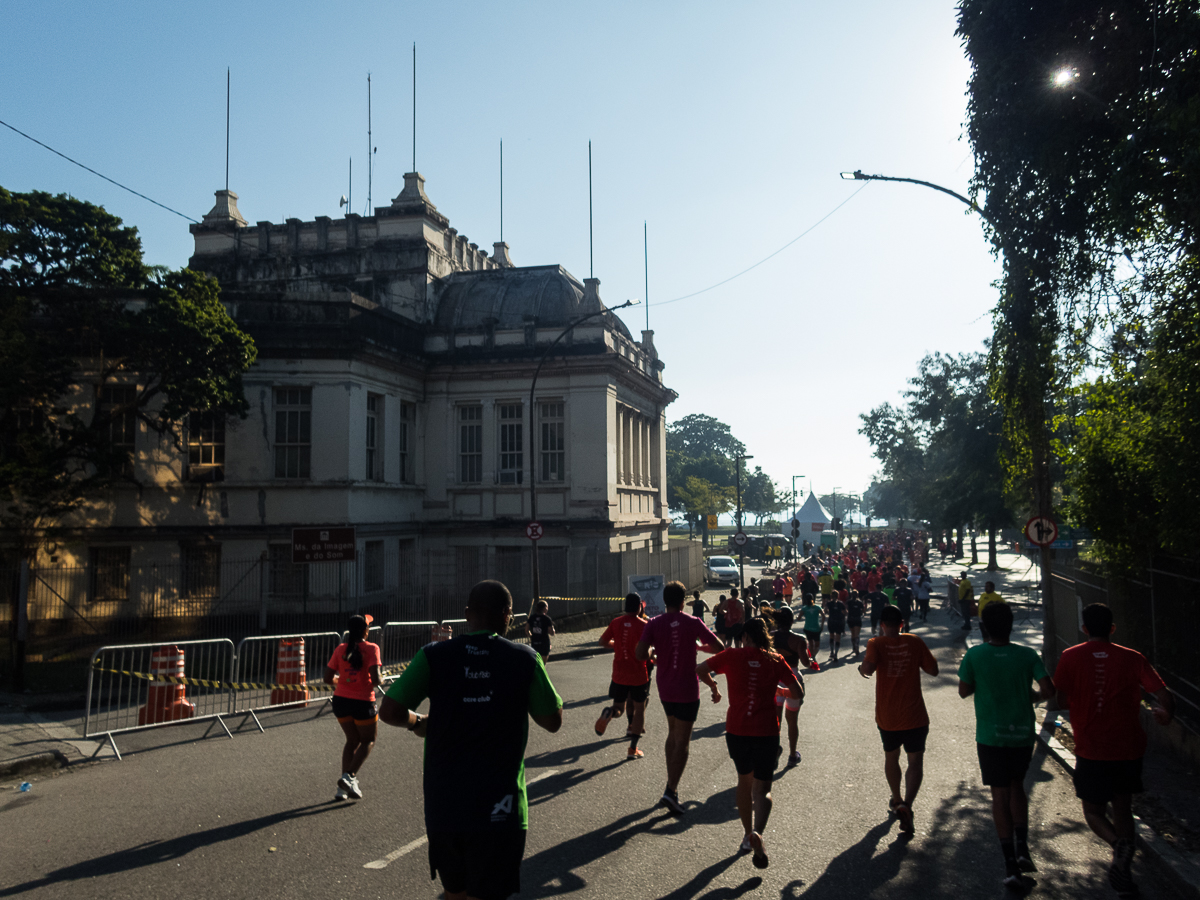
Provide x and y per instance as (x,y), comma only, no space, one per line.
(1041,530)
(534,531)
(740,539)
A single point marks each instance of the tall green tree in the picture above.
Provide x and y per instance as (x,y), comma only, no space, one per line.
(80,315)
(760,497)
(1084,121)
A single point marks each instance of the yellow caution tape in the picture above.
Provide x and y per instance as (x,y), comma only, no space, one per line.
(318,686)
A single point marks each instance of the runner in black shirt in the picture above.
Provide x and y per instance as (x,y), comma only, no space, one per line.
(482,690)
(854,616)
(904,602)
(540,628)
(835,609)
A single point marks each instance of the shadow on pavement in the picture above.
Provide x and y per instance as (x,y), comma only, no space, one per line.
(561,782)
(554,871)
(150,854)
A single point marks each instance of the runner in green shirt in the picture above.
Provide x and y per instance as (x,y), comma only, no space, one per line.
(1000,676)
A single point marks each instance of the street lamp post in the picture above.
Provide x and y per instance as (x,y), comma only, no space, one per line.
(741,547)
(795,537)
(533,544)
(1041,462)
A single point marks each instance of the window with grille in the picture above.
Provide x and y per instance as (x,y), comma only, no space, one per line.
(374,430)
(288,580)
(206,445)
(408,414)
(293,432)
(373,566)
(108,574)
(201,571)
(470,444)
(122,427)
(511,463)
(554,442)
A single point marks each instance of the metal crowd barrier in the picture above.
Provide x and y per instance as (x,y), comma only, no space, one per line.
(121,697)
(258,663)
(132,687)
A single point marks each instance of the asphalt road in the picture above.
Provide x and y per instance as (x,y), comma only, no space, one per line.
(184,816)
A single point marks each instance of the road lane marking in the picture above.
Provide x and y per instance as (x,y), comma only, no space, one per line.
(424,839)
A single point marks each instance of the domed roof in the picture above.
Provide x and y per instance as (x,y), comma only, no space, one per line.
(508,297)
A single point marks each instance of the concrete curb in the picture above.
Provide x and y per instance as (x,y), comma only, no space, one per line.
(1178,868)
(37,762)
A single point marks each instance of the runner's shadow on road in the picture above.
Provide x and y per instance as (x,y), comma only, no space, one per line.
(857,871)
(155,852)
(566,755)
(705,877)
(584,701)
(560,782)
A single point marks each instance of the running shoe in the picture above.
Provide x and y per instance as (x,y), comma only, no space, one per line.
(1013,880)
(793,759)
(760,859)
(1120,873)
(349,784)
(671,801)
(904,814)
(1025,860)
(635,753)
(745,848)
(341,794)
(605,717)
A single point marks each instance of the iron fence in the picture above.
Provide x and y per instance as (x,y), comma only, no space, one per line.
(266,660)
(73,611)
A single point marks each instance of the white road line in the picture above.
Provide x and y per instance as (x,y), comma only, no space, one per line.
(423,839)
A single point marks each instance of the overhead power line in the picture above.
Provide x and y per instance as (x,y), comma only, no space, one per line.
(98,174)
(764,259)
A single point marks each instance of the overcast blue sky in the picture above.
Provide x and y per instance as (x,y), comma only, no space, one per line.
(724,126)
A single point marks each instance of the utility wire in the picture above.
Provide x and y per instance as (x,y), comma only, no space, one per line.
(97,174)
(776,253)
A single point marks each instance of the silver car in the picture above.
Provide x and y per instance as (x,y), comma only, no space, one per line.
(720,570)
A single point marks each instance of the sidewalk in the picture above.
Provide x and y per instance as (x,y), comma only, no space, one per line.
(1168,813)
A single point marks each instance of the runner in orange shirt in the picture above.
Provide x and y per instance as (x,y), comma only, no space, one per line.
(899,707)
(752,725)
(630,675)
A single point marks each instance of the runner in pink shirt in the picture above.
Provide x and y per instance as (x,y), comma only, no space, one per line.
(675,637)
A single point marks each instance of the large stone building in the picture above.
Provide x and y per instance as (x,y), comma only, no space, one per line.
(392,393)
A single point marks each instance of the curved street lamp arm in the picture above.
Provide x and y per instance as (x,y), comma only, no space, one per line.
(859,175)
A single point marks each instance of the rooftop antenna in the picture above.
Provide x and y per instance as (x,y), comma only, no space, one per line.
(646,262)
(370,151)
(502,190)
(227,128)
(591,260)
(414,168)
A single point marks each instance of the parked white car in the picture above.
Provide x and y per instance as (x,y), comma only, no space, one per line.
(720,570)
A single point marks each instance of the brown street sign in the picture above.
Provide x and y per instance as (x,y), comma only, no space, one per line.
(322,545)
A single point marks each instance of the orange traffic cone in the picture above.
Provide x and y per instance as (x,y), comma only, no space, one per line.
(290,670)
(166,702)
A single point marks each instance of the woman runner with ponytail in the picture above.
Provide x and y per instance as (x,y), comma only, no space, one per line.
(354,668)
(751,725)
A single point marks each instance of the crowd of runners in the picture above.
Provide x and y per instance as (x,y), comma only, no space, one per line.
(482,689)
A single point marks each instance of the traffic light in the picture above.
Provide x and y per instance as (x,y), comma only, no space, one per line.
(795,528)
(836,525)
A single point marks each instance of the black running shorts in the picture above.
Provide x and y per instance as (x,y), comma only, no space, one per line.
(345,708)
(1099,780)
(484,864)
(686,712)
(619,693)
(1000,766)
(911,739)
(755,754)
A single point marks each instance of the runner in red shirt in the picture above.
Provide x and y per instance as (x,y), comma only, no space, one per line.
(1102,683)
(630,675)
(752,725)
(354,669)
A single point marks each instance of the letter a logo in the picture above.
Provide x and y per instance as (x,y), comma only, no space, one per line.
(504,807)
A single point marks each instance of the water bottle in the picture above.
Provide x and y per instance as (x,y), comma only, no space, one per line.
(25,787)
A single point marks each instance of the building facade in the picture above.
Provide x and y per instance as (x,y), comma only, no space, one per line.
(392,393)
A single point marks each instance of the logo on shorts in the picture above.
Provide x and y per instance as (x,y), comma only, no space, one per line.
(503,809)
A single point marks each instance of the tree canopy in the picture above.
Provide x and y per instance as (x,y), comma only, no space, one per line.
(1084,118)
(80,313)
